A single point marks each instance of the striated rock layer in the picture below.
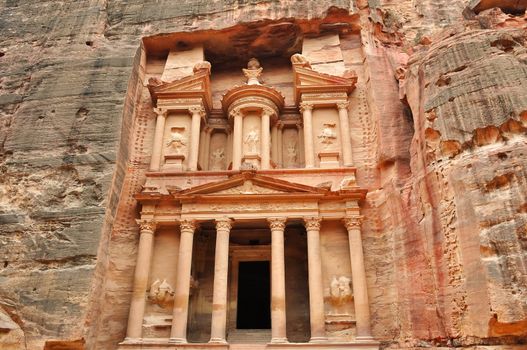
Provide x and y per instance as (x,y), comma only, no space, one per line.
(438,137)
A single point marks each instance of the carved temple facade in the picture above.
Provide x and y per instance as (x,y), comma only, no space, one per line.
(250,218)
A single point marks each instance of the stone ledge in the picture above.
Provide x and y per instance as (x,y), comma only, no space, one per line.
(162,344)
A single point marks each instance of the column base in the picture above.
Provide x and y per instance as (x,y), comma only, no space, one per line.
(217,341)
(130,340)
(177,341)
(318,340)
(364,338)
(279,341)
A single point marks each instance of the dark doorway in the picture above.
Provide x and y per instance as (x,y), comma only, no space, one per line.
(254,295)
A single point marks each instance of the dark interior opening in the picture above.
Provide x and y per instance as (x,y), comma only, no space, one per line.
(254,295)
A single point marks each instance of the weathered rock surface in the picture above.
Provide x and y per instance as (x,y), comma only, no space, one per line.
(446,216)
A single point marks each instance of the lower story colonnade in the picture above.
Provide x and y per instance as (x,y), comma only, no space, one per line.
(230,209)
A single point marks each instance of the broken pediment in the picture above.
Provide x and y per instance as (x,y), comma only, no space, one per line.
(195,86)
(309,81)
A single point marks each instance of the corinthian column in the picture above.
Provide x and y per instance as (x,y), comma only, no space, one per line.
(237,140)
(345,133)
(178,333)
(278,315)
(219,297)
(197,113)
(158,139)
(309,148)
(265,145)
(360,289)
(316,289)
(142,269)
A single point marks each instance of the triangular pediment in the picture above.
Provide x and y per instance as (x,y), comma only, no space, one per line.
(249,184)
(308,80)
(192,86)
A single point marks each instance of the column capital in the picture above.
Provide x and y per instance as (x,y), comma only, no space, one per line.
(280,124)
(277,224)
(235,113)
(147,225)
(306,106)
(268,111)
(223,224)
(353,222)
(187,225)
(299,125)
(161,111)
(343,105)
(197,110)
(312,223)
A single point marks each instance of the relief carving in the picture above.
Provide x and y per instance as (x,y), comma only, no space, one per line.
(252,140)
(340,294)
(300,60)
(217,159)
(328,135)
(178,141)
(161,293)
(291,155)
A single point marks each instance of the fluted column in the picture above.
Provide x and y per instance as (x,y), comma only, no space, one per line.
(345,136)
(278,305)
(309,148)
(178,333)
(142,269)
(219,297)
(237,140)
(360,289)
(265,148)
(316,289)
(197,113)
(155,161)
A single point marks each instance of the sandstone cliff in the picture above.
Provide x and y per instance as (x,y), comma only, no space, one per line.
(440,144)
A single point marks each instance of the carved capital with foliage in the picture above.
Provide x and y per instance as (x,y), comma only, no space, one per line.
(312,223)
(306,106)
(223,224)
(343,105)
(197,110)
(277,224)
(187,226)
(353,222)
(147,225)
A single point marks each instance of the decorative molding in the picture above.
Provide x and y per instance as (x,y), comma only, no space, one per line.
(277,224)
(312,223)
(353,222)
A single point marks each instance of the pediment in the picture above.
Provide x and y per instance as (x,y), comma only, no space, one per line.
(192,86)
(249,184)
(308,80)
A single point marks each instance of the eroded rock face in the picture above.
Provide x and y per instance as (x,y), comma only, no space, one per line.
(446,217)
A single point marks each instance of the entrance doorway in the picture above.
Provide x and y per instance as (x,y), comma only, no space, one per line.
(254,295)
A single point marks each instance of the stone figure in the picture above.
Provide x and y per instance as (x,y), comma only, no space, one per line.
(291,154)
(217,159)
(340,293)
(253,72)
(300,60)
(328,135)
(177,140)
(252,139)
(161,293)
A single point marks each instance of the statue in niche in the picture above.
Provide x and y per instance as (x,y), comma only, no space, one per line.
(161,293)
(328,135)
(177,141)
(300,60)
(252,139)
(253,72)
(340,293)
(291,154)
(217,159)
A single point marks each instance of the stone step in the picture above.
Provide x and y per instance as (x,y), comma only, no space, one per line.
(246,336)
(247,346)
